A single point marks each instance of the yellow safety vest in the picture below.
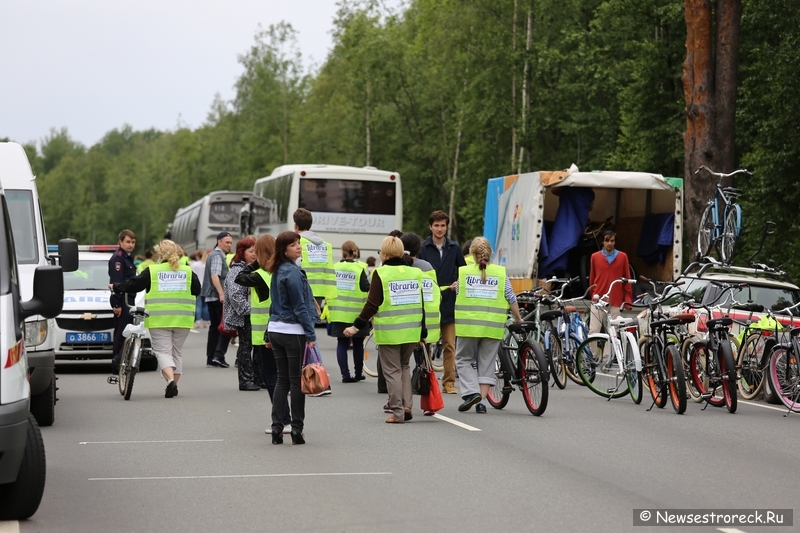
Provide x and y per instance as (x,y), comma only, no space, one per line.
(350,299)
(169,301)
(317,262)
(259,311)
(481,307)
(399,317)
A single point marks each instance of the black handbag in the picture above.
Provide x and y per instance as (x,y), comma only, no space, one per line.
(420,382)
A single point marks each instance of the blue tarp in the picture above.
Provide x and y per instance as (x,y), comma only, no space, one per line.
(656,239)
(490,215)
(572,216)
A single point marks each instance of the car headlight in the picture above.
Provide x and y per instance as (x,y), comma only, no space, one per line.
(35,332)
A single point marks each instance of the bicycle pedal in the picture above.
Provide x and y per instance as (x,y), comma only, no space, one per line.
(706,395)
(112,380)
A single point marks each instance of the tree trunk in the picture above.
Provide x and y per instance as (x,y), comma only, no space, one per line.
(369,144)
(514,88)
(709,84)
(526,91)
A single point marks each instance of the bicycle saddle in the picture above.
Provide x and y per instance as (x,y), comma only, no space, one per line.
(724,321)
(138,311)
(516,327)
(684,318)
(751,307)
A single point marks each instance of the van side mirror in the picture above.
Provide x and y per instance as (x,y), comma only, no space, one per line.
(68,255)
(48,293)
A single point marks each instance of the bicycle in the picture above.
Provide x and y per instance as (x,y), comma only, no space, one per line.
(522,363)
(370,349)
(610,363)
(711,362)
(784,371)
(132,351)
(721,221)
(663,369)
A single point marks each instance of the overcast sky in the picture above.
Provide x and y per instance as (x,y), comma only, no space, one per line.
(95,65)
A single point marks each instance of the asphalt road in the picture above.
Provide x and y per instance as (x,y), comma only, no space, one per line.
(202,462)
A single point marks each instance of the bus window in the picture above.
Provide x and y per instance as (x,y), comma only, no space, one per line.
(224,213)
(347,196)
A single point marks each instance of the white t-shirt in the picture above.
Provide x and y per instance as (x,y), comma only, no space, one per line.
(199,268)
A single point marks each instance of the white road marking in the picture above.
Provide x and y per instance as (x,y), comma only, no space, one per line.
(149,441)
(729,530)
(11,526)
(756,404)
(242,476)
(456,422)
(193,331)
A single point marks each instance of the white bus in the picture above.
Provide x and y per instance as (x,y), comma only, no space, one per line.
(240,213)
(347,203)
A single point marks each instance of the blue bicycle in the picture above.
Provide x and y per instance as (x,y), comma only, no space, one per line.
(721,222)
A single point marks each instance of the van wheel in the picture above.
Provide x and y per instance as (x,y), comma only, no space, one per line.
(43,405)
(20,500)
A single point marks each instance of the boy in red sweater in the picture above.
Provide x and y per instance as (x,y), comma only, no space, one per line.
(607,265)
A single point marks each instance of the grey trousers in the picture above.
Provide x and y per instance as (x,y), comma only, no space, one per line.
(397,371)
(484,353)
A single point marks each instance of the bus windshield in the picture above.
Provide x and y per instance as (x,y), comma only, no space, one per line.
(347,196)
(23,224)
(226,213)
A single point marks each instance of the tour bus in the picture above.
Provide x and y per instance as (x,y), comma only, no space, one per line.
(239,213)
(25,212)
(347,203)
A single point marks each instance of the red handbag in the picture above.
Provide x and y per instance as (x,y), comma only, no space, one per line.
(432,401)
(225,331)
(313,377)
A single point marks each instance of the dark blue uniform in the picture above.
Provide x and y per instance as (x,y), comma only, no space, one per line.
(120,268)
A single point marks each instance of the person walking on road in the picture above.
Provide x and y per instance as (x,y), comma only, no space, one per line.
(291,330)
(446,257)
(606,266)
(170,299)
(352,286)
(395,305)
(120,269)
(236,312)
(214,295)
(483,296)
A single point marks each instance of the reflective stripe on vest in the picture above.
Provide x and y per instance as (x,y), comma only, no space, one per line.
(399,317)
(350,299)
(481,308)
(432,298)
(259,311)
(169,301)
(317,262)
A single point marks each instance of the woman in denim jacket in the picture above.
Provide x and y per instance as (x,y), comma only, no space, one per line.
(291,327)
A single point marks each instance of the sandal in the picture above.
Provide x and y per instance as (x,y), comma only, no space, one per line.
(393,420)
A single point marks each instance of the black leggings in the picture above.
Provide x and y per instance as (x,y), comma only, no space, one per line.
(288,350)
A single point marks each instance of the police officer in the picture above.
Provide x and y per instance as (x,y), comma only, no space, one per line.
(121,269)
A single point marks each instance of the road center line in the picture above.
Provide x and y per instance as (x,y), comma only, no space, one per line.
(149,441)
(781,409)
(456,422)
(241,476)
(729,530)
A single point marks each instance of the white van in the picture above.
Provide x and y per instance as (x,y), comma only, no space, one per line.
(25,213)
(22,458)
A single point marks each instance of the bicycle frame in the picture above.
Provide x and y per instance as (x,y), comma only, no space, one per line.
(620,341)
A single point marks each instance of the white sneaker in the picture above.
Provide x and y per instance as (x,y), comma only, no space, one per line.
(323,393)
(287,429)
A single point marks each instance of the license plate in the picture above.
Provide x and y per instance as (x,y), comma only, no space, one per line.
(90,337)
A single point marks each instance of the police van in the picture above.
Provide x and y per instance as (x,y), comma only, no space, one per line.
(22,456)
(85,327)
(25,215)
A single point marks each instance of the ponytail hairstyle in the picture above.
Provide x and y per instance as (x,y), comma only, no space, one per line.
(168,251)
(349,250)
(481,250)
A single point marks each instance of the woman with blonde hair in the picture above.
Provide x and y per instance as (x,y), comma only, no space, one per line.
(170,302)
(483,297)
(395,302)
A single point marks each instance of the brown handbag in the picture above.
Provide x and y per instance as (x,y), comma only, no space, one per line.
(313,377)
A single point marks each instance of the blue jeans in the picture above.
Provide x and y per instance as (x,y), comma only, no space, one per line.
(201,309)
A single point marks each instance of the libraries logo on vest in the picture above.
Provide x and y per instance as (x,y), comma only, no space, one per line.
(404,292)
(172,281)
(485,290)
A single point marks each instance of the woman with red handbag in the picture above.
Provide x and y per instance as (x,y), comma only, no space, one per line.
(394,303)
(291,328)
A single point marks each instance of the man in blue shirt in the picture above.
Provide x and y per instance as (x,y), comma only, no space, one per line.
(446,257)
(121,268)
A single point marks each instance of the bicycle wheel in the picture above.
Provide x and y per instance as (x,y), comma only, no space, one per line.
(501,390)
(124,365)
(784,376)
(533,377)
(691,388)
(555,358)
(437,356)
(599,369)
(705,233)
(132,358)
(370,356)
(652,374)
(677,379)
(727,370)
(750,375)
(569,357)
(705,374)
(633,376)
(730,232)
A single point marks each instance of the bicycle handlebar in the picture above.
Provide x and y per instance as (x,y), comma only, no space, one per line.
(721,175)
